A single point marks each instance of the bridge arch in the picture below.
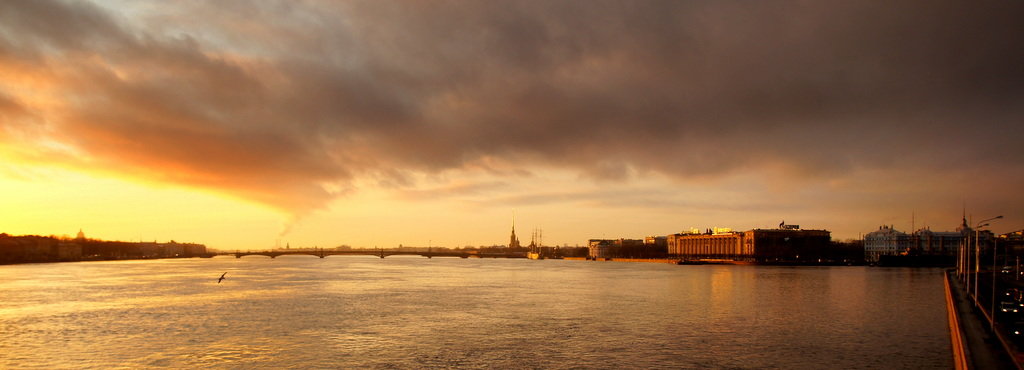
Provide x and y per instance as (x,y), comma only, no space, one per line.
(240,255)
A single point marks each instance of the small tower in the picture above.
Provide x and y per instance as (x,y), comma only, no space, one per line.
(81,235)
(964,228)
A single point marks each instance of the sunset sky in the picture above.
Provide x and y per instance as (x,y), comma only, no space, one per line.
(241,124)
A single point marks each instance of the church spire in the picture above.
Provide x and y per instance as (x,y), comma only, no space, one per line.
(513,241)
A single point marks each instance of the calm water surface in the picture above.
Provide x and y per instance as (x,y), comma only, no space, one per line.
(411,312)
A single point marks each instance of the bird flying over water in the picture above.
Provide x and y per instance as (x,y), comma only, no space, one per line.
(221,278)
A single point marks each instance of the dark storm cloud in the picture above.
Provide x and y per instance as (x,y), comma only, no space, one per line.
(271,100)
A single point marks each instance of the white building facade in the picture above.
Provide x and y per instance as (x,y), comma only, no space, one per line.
(887,241)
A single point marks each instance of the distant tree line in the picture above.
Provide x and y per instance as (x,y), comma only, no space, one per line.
(34,248)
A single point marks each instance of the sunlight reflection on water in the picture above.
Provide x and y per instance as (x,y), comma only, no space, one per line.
(300,311)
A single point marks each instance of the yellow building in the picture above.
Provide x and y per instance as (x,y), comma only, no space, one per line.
(783,244)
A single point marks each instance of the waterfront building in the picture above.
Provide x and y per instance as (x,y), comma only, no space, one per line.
(787,243)
(150,250)
(709,244)
(598,248)
(31,248)
(616,248)
(943,243)
(173,250)
(887,241)
(1012,243)
(657,241)
(1014,235)
(193,249)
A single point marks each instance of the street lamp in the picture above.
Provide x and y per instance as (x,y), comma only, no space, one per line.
(961,260)
(977,250)
(977,253)
(965,253)
(995,253)
(977,260)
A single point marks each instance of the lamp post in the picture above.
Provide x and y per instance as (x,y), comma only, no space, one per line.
(967,263)
(995,249)
(963,260)
(966,247)
(977,261)
(977,253)
(960,259)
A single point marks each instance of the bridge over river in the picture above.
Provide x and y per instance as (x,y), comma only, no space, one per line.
(429,253)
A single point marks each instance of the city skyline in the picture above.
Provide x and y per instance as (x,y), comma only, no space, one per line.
(377,124)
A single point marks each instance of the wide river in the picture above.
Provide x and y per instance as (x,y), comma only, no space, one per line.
(413,312)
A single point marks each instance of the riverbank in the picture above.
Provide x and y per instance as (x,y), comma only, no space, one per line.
(97,259)
(18,249)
